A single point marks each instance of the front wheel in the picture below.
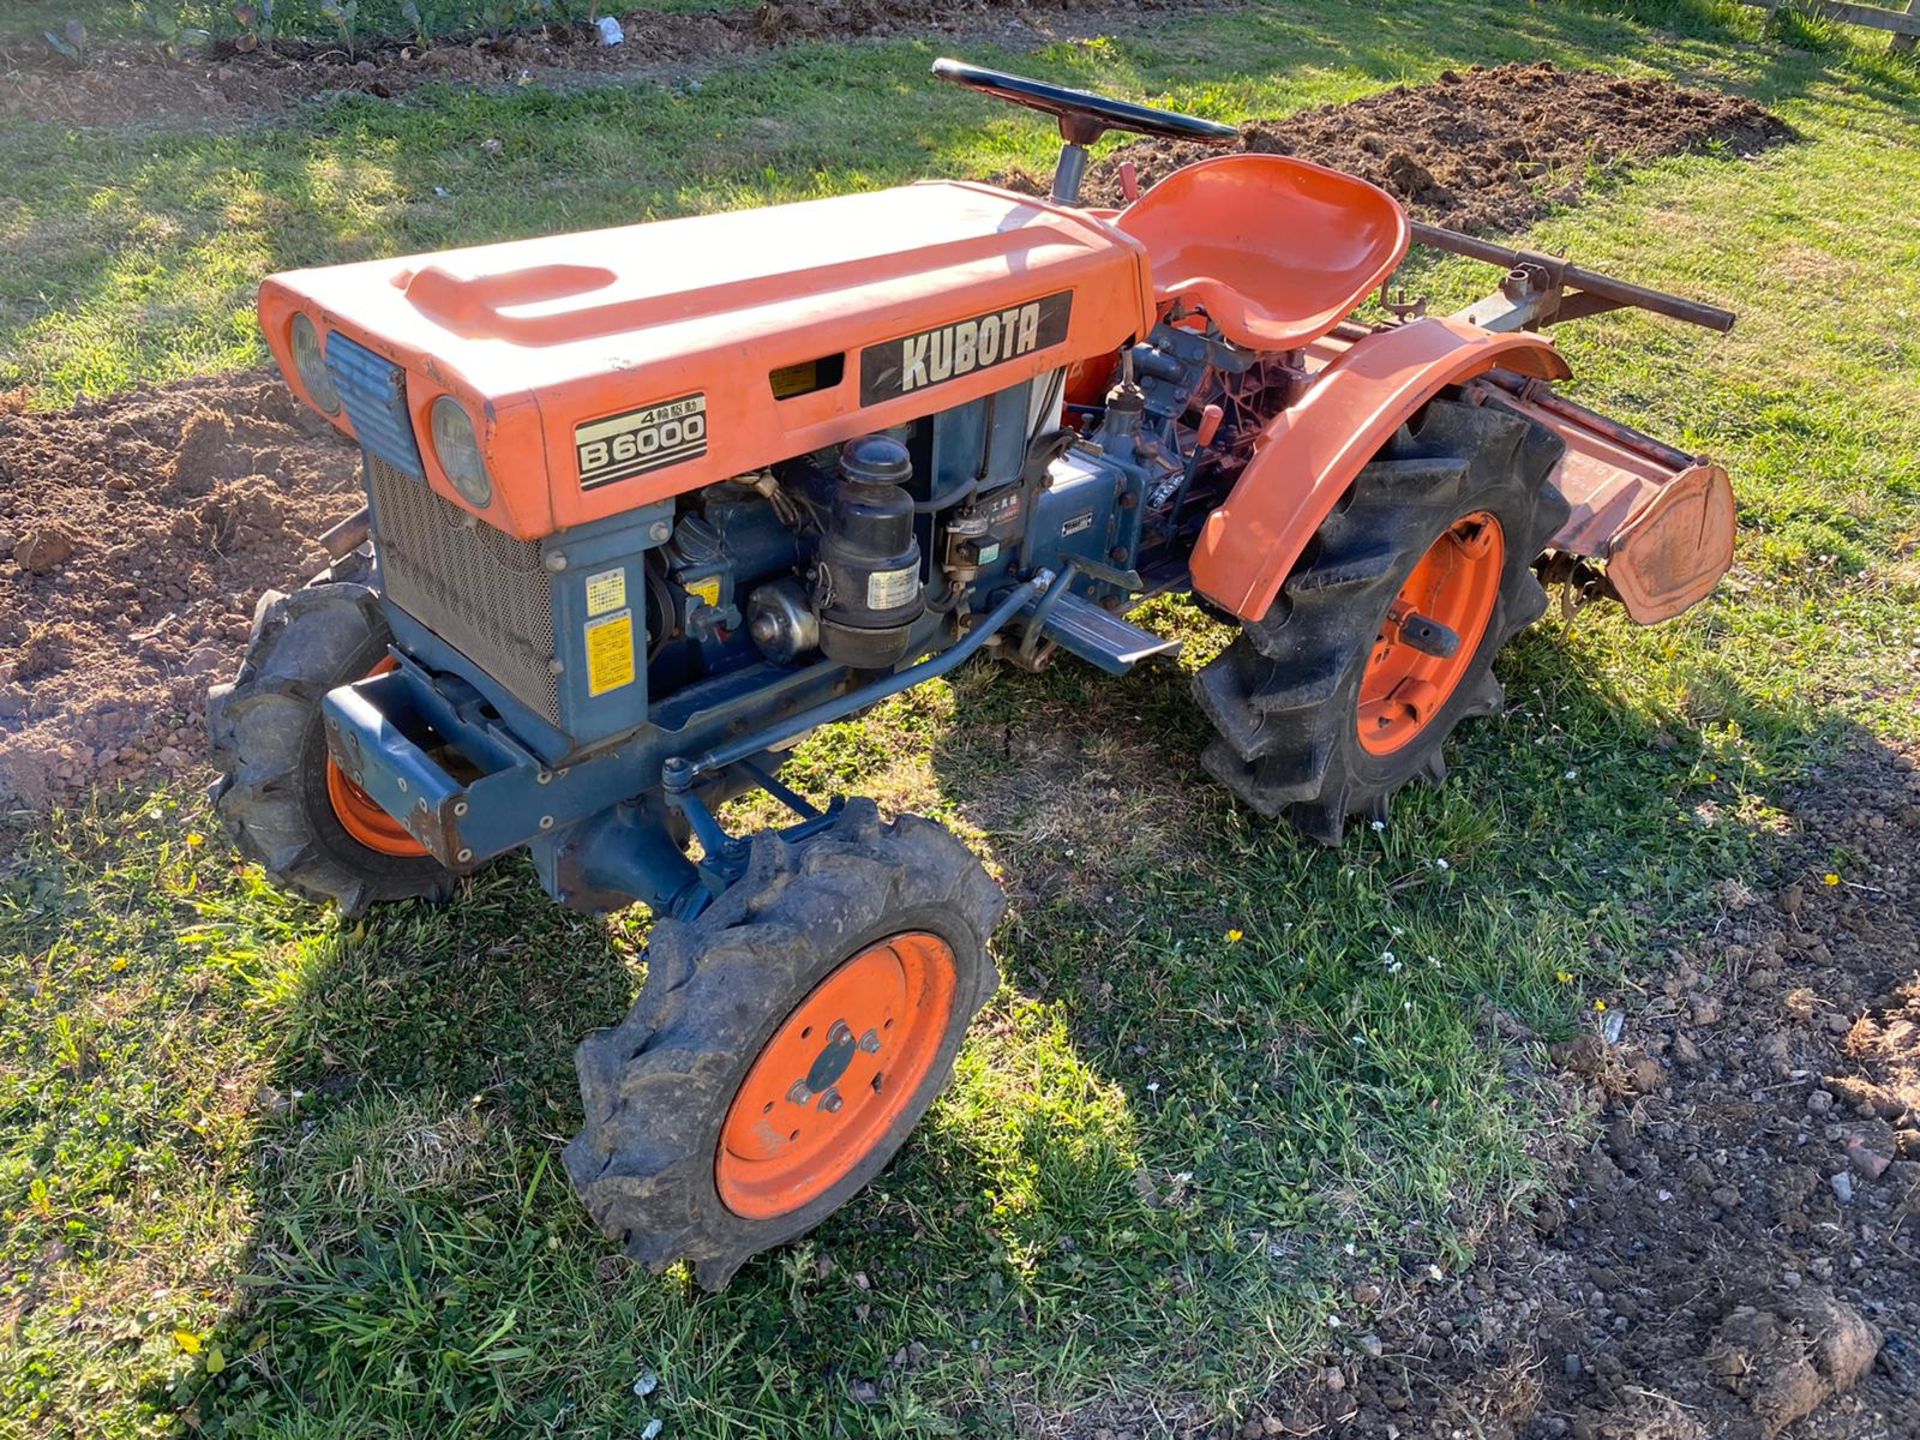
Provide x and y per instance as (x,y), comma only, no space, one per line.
(280,796)
(785,1042)
(1382,639)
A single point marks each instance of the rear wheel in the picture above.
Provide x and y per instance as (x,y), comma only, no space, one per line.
(785,1042)
(279,794)
(1382,639)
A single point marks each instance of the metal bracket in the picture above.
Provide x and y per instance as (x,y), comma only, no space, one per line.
(680,774)
(724,856)
(1536,289)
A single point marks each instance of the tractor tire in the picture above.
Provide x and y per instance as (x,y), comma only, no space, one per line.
(265,738)
(1323,708)
(785,1042)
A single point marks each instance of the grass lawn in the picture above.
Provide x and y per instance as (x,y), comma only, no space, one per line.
(187,22)
(264,1172)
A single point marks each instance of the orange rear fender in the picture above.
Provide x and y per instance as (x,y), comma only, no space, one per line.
(1310,453)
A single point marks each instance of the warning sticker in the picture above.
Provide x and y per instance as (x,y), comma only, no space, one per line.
(609,653)
(707,590)
(607,591)
(890,589)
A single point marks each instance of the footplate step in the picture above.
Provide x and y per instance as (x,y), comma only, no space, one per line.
(1115,645)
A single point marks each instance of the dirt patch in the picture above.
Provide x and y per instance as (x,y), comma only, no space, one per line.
(1480,149)
(135,536)
(1737,1252)
(118,85)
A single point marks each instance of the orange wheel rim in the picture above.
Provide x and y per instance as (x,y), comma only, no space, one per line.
(1455,585)
(832,1081)
(360,814)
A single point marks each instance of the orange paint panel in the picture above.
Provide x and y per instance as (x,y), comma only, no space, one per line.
(542,337)
(1310,453)
(1277,250)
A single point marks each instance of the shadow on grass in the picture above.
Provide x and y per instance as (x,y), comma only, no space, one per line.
(1224,1056)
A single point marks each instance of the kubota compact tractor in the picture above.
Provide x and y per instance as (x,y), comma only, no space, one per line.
(647,505)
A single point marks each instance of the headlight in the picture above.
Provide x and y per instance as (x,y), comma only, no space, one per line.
(311,364)
(458,450)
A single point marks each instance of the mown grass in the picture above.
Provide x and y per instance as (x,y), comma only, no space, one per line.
(270,1173)
(187,24)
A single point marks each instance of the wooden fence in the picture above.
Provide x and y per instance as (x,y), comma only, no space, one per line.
(1904,24)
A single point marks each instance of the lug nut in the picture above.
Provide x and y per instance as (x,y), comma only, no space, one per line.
(870,1042)
(831,1102)
(799,1094)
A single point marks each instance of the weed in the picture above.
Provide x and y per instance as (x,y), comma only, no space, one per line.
(255,19)
(343,15)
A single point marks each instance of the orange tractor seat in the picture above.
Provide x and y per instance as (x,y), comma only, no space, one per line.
(1278,251)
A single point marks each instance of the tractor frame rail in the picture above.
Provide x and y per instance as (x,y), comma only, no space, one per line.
(1540,290)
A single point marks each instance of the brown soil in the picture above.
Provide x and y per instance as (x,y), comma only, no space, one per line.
(1737,1251)
(128,85)
(1479,150)
(135,536)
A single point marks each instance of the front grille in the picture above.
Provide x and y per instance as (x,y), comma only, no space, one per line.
(481,591)
(374,392)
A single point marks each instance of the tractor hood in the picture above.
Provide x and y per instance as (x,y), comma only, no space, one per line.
(610,369)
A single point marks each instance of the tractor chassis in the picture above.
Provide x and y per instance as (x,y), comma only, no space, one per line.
(594,852)
(609,827)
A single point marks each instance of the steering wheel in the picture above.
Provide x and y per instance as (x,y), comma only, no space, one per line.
(1084,117)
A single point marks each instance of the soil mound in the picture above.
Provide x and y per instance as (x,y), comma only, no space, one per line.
(1479,149)
(135,536)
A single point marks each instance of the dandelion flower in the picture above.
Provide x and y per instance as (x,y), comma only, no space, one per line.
(1829,879)
(1234,937)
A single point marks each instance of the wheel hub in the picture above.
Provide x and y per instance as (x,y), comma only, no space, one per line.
(1431,632)
(828,1085)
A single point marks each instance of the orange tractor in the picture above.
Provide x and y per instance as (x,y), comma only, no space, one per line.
(646,506)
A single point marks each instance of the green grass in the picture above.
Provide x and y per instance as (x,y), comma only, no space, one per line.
(188,23)
(269,1173)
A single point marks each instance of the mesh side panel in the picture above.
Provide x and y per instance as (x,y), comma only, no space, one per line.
(482,592)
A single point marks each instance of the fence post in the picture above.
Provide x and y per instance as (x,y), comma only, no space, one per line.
(1901,44)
